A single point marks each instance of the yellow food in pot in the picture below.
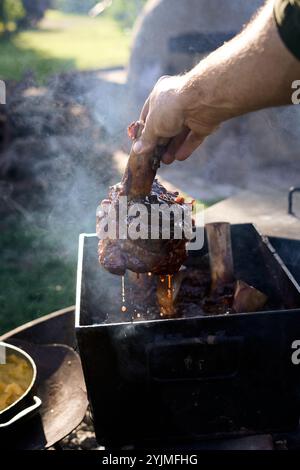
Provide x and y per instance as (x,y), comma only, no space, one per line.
(15,377)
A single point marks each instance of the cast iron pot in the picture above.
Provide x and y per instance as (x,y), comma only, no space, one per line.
(28,403)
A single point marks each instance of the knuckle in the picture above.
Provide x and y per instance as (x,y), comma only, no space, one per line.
(163,77)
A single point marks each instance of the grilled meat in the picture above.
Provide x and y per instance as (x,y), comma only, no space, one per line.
(157,254)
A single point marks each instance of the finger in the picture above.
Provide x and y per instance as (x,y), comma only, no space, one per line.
(174,145)
(168,158)
(163,77)
(148,140)
(190,144)
(145,110)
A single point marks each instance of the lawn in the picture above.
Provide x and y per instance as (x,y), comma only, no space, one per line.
(65,42)
(34,280)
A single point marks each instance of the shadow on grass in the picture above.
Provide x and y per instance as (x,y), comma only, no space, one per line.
(16,61)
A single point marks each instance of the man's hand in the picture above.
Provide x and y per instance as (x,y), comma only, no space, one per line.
(170,118)
(253,71)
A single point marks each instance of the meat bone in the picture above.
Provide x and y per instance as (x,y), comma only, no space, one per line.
(141,169)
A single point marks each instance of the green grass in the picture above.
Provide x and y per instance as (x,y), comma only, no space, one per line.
(34,279)
(62,43)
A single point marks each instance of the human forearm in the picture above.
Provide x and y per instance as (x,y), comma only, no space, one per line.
(253,71)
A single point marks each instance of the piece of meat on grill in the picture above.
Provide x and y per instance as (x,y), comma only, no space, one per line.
(160,255)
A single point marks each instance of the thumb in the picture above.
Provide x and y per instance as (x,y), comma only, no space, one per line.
(148,139)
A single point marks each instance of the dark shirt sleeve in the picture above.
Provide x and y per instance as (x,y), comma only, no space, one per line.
(287,17)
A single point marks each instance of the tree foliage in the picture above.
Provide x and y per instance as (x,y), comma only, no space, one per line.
(11,11)
(15,14)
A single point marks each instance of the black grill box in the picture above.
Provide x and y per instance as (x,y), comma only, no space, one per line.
(186,378)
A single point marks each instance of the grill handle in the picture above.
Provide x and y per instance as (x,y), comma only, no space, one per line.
(30,409)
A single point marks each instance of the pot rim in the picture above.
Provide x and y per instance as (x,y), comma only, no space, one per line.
(34,369)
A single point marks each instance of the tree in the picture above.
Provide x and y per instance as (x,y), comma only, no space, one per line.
(11,11)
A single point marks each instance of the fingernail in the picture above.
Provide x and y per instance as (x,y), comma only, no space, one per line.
(138,147)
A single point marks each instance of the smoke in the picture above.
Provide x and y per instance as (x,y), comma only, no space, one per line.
(58,164)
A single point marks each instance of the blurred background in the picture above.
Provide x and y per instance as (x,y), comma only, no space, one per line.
(55,151)
(76,74)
